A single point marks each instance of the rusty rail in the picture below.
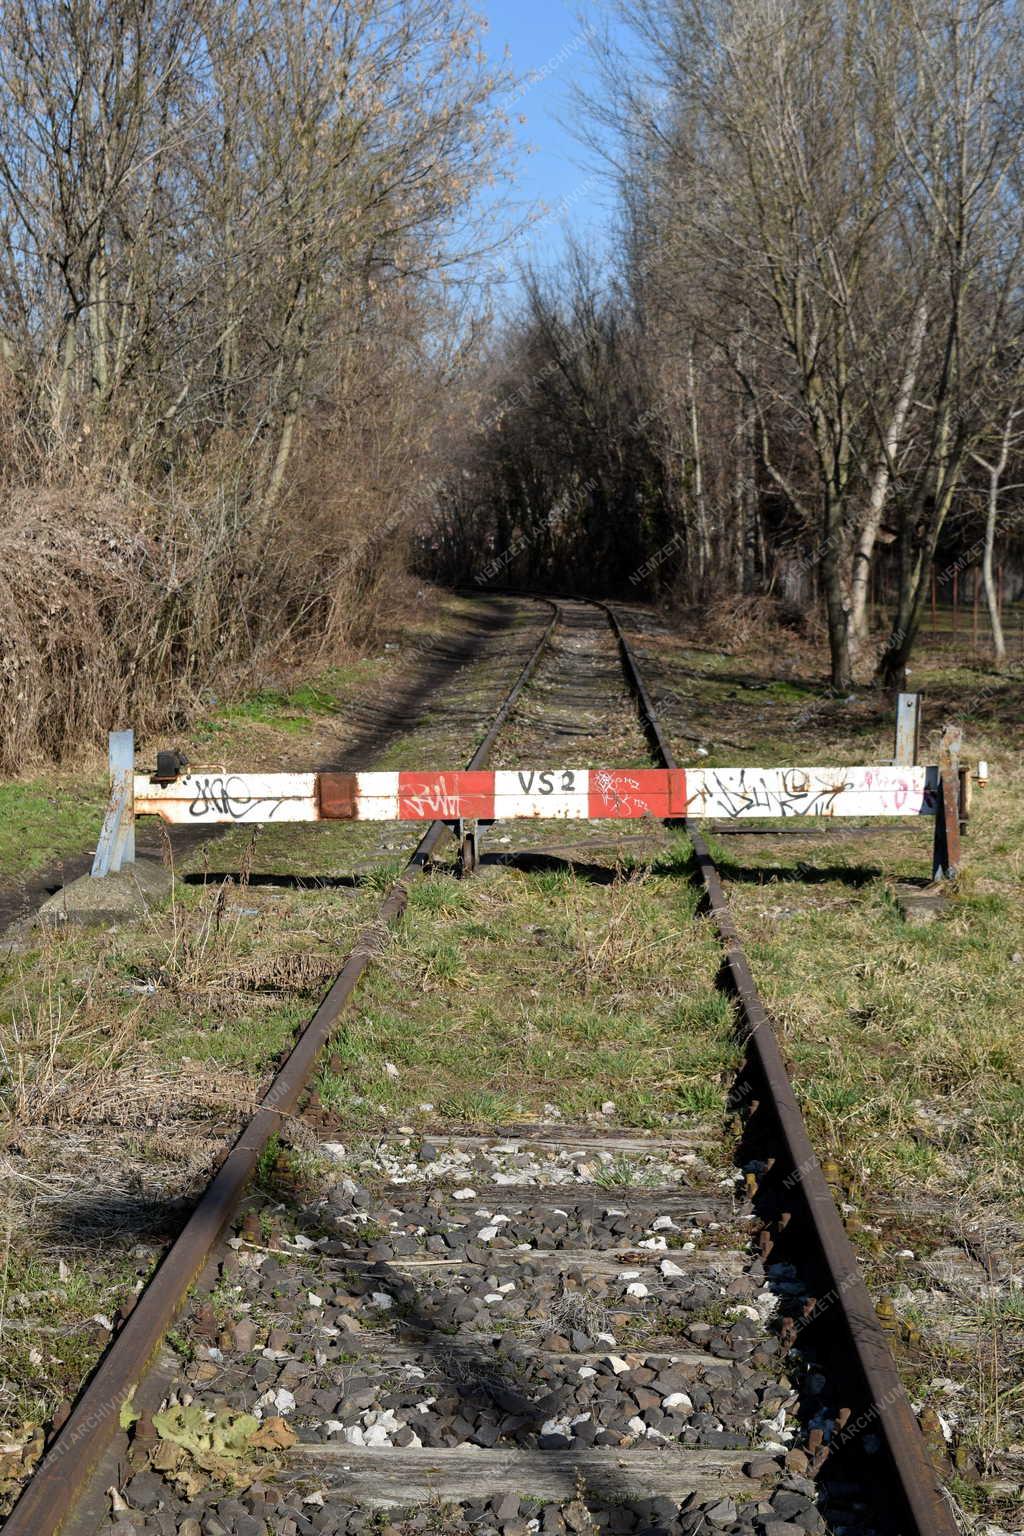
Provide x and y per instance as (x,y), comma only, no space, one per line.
(61,1477)
(926,1511)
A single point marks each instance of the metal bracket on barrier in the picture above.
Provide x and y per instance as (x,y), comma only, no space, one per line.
(467,834)
(946,846)
(116,846)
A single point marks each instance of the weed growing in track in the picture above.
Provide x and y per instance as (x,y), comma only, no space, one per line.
(541,989)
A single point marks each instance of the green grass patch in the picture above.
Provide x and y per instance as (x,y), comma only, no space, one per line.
(45,820)
(291,709)
(57,815)
(536,990)
(50,1339)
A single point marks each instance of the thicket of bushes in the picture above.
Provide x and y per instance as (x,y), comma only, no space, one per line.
(119,609)
(224,337)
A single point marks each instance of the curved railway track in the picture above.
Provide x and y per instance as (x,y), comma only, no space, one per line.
(499,1330)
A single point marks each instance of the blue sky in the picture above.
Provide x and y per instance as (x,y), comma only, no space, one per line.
(548,54)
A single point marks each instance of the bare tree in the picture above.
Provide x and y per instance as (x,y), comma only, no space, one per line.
(1009,438)
(958,125)
(829,201)
(229,235)
(192,193)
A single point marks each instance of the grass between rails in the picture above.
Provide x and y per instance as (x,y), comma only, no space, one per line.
(518,991)
(539,991)
(501,998)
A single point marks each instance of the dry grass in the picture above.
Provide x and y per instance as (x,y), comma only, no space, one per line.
(119,608)
(539,989)
(73,1061)
(54,1049)
(741,626)
(81,1053)
(571,1310)
(614,951)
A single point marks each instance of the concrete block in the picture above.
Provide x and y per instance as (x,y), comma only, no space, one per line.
(921,905)
(114,899)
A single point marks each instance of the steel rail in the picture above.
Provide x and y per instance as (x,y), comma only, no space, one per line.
(926,1508)
(60,1479)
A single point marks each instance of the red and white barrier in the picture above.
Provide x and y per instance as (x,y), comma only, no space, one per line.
(582,794)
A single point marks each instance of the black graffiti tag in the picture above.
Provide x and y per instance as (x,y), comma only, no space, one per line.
(794,798)
(230,797)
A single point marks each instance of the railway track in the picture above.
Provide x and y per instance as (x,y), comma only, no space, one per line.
(547,1328)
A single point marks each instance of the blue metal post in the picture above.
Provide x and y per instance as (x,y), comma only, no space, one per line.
(908,729)
(116,846)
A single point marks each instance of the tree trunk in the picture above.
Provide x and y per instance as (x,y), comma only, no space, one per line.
(914,581)
(699,505)
(69,353)
(837,602)
(988,580)
(285,441)
(99,338)
(881,479)
(750,519)
(995,473)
